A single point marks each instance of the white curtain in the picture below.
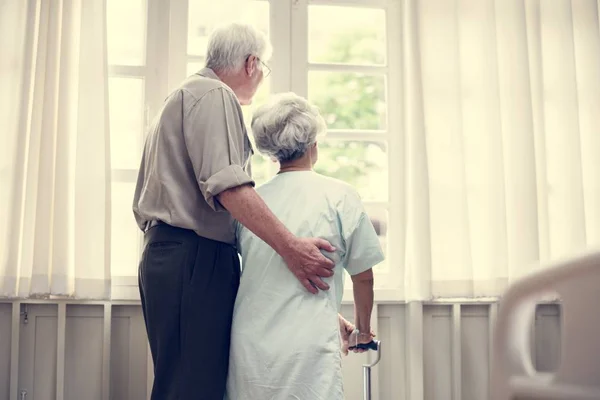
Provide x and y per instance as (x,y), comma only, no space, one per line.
(502,140)
(54,159)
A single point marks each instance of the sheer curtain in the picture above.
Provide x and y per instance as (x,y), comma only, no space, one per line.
(502,140)
(54,162)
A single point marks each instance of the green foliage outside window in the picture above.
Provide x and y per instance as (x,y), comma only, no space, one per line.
(346,101)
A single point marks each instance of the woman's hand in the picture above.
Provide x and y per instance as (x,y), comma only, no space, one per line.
(357,338)
(347,329)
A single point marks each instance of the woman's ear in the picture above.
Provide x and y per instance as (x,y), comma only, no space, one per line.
(314,148)
(314,151)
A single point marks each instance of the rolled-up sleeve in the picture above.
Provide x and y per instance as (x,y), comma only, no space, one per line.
(216,142)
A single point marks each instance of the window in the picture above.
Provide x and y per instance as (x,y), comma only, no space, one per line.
(324,50)
(340,62)
(127,106)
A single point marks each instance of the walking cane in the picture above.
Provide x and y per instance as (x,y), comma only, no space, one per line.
(374,345)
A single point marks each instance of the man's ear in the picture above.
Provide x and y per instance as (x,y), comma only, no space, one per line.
(250,66)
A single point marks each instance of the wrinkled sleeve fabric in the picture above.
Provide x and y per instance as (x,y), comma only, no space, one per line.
(363,249)
(216,142)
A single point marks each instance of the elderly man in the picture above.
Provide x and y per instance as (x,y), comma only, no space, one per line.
(193,183)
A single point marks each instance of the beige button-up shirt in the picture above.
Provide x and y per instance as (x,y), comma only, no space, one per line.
(197,147)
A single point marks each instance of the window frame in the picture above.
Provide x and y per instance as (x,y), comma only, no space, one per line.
(153,72)
(167,33)
(388,285)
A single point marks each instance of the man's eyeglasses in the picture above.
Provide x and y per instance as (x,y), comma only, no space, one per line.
(265,67)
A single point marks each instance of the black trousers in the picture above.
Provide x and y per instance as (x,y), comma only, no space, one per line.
(188,286)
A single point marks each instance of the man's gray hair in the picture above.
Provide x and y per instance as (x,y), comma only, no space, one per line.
(229,45)
(286,126)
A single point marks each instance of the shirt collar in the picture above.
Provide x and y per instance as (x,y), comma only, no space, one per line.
(208,73)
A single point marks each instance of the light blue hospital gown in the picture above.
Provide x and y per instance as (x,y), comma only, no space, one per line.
(285,342)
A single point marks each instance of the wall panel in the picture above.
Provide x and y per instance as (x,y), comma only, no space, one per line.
(453,349)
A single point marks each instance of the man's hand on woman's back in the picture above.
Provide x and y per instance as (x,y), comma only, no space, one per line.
(302,255)
(304,258)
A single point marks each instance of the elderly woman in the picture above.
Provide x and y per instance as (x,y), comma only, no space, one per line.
(285,343)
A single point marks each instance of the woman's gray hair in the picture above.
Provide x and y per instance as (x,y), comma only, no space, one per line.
(229,45)
(286,126)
